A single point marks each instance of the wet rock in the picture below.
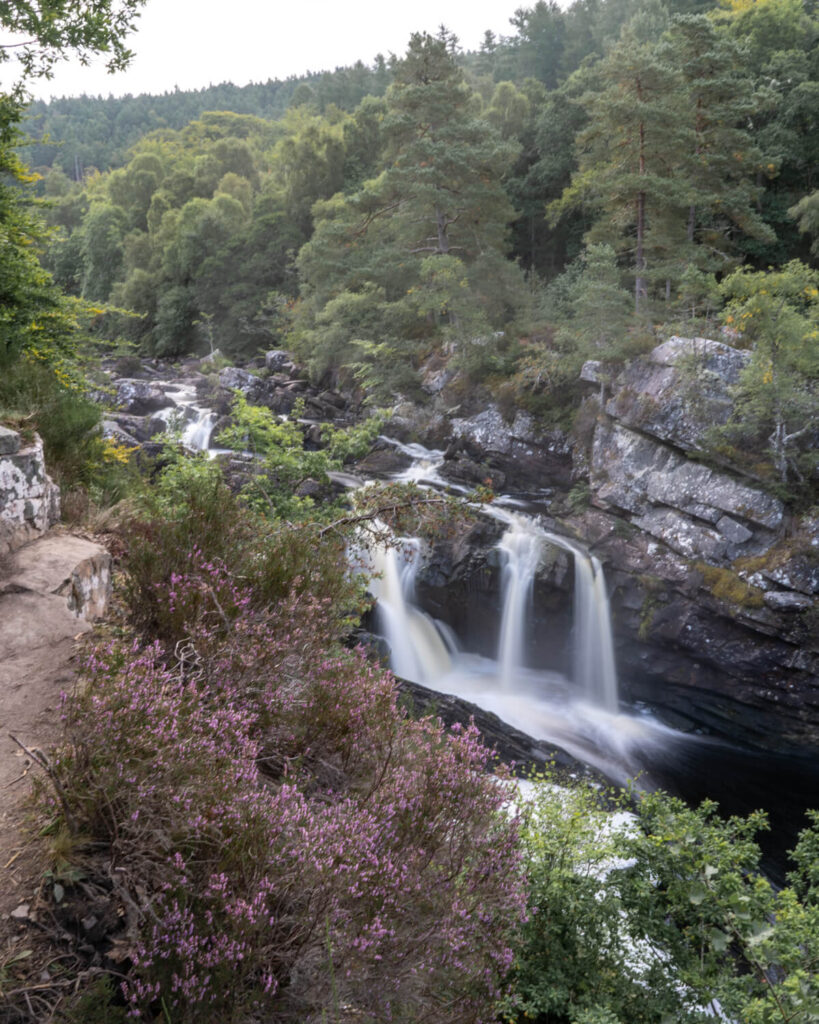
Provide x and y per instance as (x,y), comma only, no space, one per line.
(278,361)
(316,408)
(680,391)
(233,378)
(787,601)
(529,459)
(511,745)
(461,469)
(140,397)
(112,429)
(133,429)
(333,398)
(313,436)
(384,460)
(310,488)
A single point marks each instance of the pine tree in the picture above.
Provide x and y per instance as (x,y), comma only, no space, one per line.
(629,153)
(409,250)
(724,160)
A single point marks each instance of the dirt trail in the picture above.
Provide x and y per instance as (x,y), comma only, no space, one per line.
(51,590)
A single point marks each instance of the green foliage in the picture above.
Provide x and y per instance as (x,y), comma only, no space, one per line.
(36,394)
(283,463)
(32,312)
(190,509)
(777,398)
(401,264)
(40,382)
(669,903)
(56,29)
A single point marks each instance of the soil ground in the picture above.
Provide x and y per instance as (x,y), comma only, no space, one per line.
(38,634)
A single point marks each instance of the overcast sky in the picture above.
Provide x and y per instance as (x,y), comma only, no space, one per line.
(193,43)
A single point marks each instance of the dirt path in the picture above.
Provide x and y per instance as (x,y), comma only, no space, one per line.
(50,592)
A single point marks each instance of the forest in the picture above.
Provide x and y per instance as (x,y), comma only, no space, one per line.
(604,175)
(274,833)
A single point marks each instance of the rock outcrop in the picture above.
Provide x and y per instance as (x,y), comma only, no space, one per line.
(29,499)
(516,456)
(713,584)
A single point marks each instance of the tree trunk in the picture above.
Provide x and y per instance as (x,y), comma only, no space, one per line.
(443,238)
(640,291)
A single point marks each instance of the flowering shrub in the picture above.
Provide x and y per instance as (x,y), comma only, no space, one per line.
(293,843)
(189,524)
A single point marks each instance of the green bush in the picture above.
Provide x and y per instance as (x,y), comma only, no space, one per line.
(657,918)
(191,516)
(38,396)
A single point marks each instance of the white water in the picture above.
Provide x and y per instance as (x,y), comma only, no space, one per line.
(580,714)
(522,547)
(197,433)
(417,650)
(197,422)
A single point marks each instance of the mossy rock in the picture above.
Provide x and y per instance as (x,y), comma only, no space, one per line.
(729,587)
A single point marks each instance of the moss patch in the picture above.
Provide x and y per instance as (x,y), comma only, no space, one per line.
(727,586)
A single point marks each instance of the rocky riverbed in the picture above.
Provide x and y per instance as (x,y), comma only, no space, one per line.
(713,582)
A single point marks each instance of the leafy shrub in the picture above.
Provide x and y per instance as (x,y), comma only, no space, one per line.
(191,520)
(46,398)
(663,919)
(293,842)
(283,462)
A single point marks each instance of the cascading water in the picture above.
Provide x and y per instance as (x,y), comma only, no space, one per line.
(197,433)
(593,650)
(580,715)
(522,547)
(417,649)
(594,671)
(197,422)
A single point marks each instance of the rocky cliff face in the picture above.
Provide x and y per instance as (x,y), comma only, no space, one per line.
(29,499)
(713,585)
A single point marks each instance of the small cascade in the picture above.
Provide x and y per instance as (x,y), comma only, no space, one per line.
(193,421)
(594,671)
(417,650)
(197,433)
(593,656)
(522,547)
(420,651)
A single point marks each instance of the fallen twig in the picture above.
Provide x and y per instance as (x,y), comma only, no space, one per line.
(38,757)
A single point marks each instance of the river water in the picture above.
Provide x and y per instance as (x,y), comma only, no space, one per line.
(580,712)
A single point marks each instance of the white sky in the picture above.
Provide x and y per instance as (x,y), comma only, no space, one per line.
(195,43)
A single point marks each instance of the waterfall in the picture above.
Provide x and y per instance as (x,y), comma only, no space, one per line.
(417,650)
(522,546)
(423,652)
(594,670)
(193,421)
(593,655)
(197,433)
